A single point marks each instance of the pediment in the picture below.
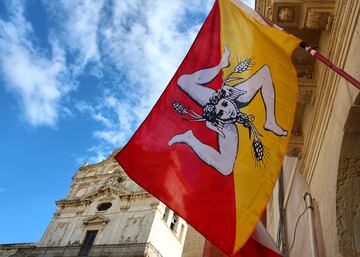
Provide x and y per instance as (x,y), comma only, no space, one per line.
(107,193)
(96,220)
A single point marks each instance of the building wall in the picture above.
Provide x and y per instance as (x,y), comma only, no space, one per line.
(348,186)
(295,206)
(169,242)
(128,220)
(123,226)
(337,97)
(7,250)
(326,165)
(194,244)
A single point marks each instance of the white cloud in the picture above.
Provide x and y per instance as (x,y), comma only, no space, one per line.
(97,154)
(106,121)
(146,40)
(94,154)
(250,3)
(39,81)
(117,118)
(78,21)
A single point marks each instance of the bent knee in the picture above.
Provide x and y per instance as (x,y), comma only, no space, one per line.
(265,75)
(226,170)
(265,68)
(183,81)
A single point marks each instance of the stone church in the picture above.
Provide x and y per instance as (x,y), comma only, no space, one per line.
(315,207)
(106,214)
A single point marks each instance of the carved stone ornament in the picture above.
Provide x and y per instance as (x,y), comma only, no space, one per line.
(60,225)
(306,95)
(295,132)
(319,19)
(296,143)
(107,198)
(108,193)
(286,14)
(124,208)
(80,212)
(294,150)
(96,220)
(304,74)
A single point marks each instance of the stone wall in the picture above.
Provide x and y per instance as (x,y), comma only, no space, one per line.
(322,174)
(128,219)
(194,244)
(348,187)
(326,169)
(168,239)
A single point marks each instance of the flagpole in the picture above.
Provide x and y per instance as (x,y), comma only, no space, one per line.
(320,57)
(330,64)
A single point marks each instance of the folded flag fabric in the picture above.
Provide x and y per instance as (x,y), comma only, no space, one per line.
(260,244)
(212,146)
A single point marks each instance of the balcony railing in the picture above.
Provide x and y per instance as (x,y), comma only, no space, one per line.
(108,250)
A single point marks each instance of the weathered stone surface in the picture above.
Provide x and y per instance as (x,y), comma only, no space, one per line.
(348,207)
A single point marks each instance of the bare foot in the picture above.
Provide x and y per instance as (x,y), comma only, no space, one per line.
(275,128)
(181,138)
(225,58)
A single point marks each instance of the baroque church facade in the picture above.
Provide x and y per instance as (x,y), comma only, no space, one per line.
(106,214)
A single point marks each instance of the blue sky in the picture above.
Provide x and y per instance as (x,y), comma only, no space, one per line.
(76,79)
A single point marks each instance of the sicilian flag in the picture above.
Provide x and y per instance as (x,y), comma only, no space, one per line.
(212,146)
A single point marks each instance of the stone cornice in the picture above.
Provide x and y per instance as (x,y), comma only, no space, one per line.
(72,203)
(17,246)
(109,193)
(98,177)
(108,190)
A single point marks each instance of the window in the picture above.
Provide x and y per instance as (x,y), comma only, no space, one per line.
(104,206)
(182,228)
(166,214)
(174,222)
(88,242)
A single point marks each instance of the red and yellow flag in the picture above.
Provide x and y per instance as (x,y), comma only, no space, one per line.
(212,146)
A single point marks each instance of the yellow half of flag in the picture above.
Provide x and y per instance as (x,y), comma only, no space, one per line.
(264,55)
